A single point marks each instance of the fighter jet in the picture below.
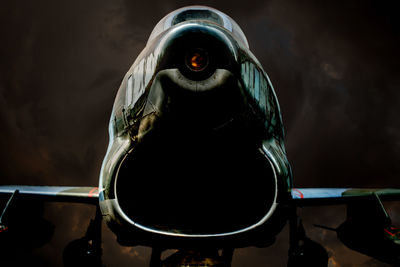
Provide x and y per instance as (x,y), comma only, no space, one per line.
(196,160)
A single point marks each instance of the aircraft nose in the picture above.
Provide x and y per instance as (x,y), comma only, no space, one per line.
(197,86)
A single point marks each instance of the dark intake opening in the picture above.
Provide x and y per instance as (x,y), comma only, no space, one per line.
(195,183)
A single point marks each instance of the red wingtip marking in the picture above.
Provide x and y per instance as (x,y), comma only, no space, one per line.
(299,192)
(93,191)
(390,233)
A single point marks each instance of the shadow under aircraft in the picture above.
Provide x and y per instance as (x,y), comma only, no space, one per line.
(196,162)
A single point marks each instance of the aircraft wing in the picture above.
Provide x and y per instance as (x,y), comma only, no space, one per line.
(77,194)
(326,196)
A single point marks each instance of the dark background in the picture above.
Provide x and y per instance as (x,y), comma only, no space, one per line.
(334,66)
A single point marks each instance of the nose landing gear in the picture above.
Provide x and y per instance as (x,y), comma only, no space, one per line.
(303,251)
(195,258)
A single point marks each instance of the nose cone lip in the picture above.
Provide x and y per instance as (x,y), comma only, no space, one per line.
(197,50)
(202,30)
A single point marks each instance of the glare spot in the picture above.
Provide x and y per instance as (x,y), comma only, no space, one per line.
(332,71)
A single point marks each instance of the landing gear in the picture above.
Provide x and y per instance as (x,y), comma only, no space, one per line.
(304,251)
(86,251)
(187,257)
(22,229)
(22,225)
(368,229)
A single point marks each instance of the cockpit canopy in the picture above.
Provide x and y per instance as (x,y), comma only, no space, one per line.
(199,13)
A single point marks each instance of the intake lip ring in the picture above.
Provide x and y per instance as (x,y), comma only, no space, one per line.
(182,233)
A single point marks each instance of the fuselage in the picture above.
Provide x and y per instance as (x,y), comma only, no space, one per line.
(196,147)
